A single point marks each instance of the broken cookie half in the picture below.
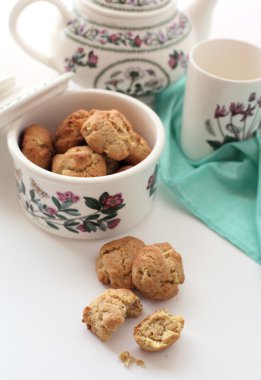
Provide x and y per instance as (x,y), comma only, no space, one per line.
(158,330)
(109,311)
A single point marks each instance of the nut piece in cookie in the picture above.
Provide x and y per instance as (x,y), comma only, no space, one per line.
(68,133)
(140,149)
(37,145)
(158,331)
(114,264)
(108,131)
(108,311)
(157,271)
(79,161)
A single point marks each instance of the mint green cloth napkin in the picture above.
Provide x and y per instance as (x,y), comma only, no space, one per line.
(224,189)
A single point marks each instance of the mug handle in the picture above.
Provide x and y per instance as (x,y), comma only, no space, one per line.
(14,16)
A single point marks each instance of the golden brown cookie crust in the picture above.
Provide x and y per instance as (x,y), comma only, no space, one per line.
(37,145)
(157,271)
(79,161)
(108,131)
(114,264)
(108,311)
(68,133)
(140,149)
(158,331)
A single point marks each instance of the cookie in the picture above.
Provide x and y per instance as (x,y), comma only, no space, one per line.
(123,168)
(37,145)
(157,271)
(80,161)
(140,149)
(111,165)
(109,311)
(108,131)
(68,133)
(158,331)
(114,264)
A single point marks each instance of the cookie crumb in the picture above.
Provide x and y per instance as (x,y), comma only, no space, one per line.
(128,360)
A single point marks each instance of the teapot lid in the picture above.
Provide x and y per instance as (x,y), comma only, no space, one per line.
(130,5)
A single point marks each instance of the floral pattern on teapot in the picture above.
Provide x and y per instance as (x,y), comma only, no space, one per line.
(132,77)
(133,39)
(133,5)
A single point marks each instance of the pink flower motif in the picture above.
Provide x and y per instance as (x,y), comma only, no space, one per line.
(151,181)
(172,62)
(81,228)
(67,195)
(137,41)
(220,111)
(113,37)
(236,108)
(92,59)
(113,223)
(51,210)
(113,201)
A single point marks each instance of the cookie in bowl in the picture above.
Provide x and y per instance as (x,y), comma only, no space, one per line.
(87,207)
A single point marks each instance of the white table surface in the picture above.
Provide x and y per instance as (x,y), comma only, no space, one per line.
(46,281)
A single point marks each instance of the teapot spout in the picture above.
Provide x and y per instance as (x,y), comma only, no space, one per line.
(200,14)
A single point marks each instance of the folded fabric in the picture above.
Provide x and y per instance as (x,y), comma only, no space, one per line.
(223,189)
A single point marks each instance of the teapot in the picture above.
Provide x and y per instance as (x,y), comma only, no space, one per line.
(137,47)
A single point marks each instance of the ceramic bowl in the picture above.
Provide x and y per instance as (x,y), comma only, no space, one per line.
(87,208)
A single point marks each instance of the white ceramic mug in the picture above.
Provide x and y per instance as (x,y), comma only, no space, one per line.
(222,97)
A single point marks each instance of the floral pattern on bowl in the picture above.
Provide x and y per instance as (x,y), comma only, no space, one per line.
(235,122)
(152,182)
(60,210)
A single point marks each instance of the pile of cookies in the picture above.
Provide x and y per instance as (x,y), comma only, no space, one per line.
(155,271)
(86,144)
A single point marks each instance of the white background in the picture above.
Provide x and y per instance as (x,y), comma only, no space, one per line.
(46,281)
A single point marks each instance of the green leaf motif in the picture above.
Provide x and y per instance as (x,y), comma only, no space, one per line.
(32,194)
(109,211)
(52,225)
(66,204)
(102,198)
(89,226)
(72,212)
(56,203)
(22,187)
(214,144)
(92,203)
(71,229)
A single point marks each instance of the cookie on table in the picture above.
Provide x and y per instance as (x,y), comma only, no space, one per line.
(109,311)
(37,145)
(79,161)
(157,271)
(108,131)
(158,331)
(140,149)
(114,264)
(68,133)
